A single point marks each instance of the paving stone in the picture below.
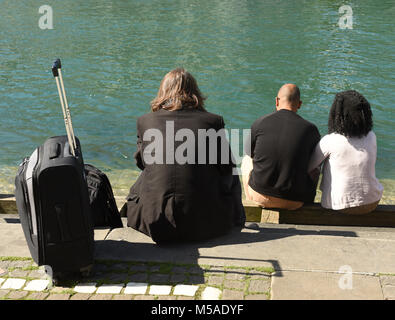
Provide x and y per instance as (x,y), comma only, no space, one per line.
(181,270)
(19,264)
(59,289)
(291,285)
(136,288)
(256,297)
(154,268)
(38,295)
(178,278)
(235,275)
(167,298)
(185,298)
(101,297)
(39,274)
(110,288)
(4,264)
(100,267)
(215,280)
(185,290)
(58,296)
(159,278)
(216,270)
(117,277)
(3,293)
(144,297)
(139,268)
(3,272)
(234,284)
(195,270)
(13,283)
(210,293)
(18,273)
(122,297)
(120,266)
(96,276)
(259,286)
(15,295)
(232,295)
(389,291)
(387,280)
(138,277)
(195,279)
(89,287)
(80,296)
(1,280)
(253,274)
(159,290)
(37,285)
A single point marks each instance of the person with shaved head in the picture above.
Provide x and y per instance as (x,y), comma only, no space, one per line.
(275,169)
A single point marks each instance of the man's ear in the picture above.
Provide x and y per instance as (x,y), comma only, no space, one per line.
(300,104)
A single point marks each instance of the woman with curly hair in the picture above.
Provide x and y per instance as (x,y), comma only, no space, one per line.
(348,151)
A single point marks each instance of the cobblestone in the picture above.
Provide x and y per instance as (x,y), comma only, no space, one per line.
(80,296)
(101,297)
(109,281)
(3,293)
(234,284)
(38,295)
(16,295)
(259,286)
(58,296)
(256,297)
(232,295)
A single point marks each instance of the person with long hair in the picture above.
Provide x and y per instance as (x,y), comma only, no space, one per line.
(186,190)
(348,153)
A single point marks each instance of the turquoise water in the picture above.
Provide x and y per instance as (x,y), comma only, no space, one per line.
(115,53)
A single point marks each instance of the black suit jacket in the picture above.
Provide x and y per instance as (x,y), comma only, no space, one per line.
(187,201)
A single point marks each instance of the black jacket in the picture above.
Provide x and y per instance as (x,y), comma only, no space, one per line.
(191,201)
(281,146)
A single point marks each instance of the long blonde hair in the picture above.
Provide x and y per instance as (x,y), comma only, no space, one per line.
(178,89)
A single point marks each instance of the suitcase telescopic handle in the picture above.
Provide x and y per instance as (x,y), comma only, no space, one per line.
(57,73)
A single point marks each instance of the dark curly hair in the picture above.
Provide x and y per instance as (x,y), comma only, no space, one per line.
(350,115)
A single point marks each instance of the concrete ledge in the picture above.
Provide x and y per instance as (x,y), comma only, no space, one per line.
(7,204)
(383,216)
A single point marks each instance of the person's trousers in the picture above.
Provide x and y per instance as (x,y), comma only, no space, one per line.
(262,200)
(366,208)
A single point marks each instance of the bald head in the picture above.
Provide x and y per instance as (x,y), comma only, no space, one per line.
(288,97)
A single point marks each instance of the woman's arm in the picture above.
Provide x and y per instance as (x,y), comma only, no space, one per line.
(320,153)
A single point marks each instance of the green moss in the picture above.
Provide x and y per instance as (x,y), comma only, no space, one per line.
(9,258)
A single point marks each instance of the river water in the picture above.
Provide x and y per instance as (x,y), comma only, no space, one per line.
(115,53)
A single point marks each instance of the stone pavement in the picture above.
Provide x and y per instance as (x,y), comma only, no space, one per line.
(23,279)
(268,262)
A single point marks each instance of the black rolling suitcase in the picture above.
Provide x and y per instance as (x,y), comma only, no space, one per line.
(53,201)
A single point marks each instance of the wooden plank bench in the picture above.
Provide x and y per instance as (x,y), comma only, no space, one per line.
(314,214)
(383,216)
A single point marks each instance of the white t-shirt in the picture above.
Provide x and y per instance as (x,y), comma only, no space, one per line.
(349,178)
